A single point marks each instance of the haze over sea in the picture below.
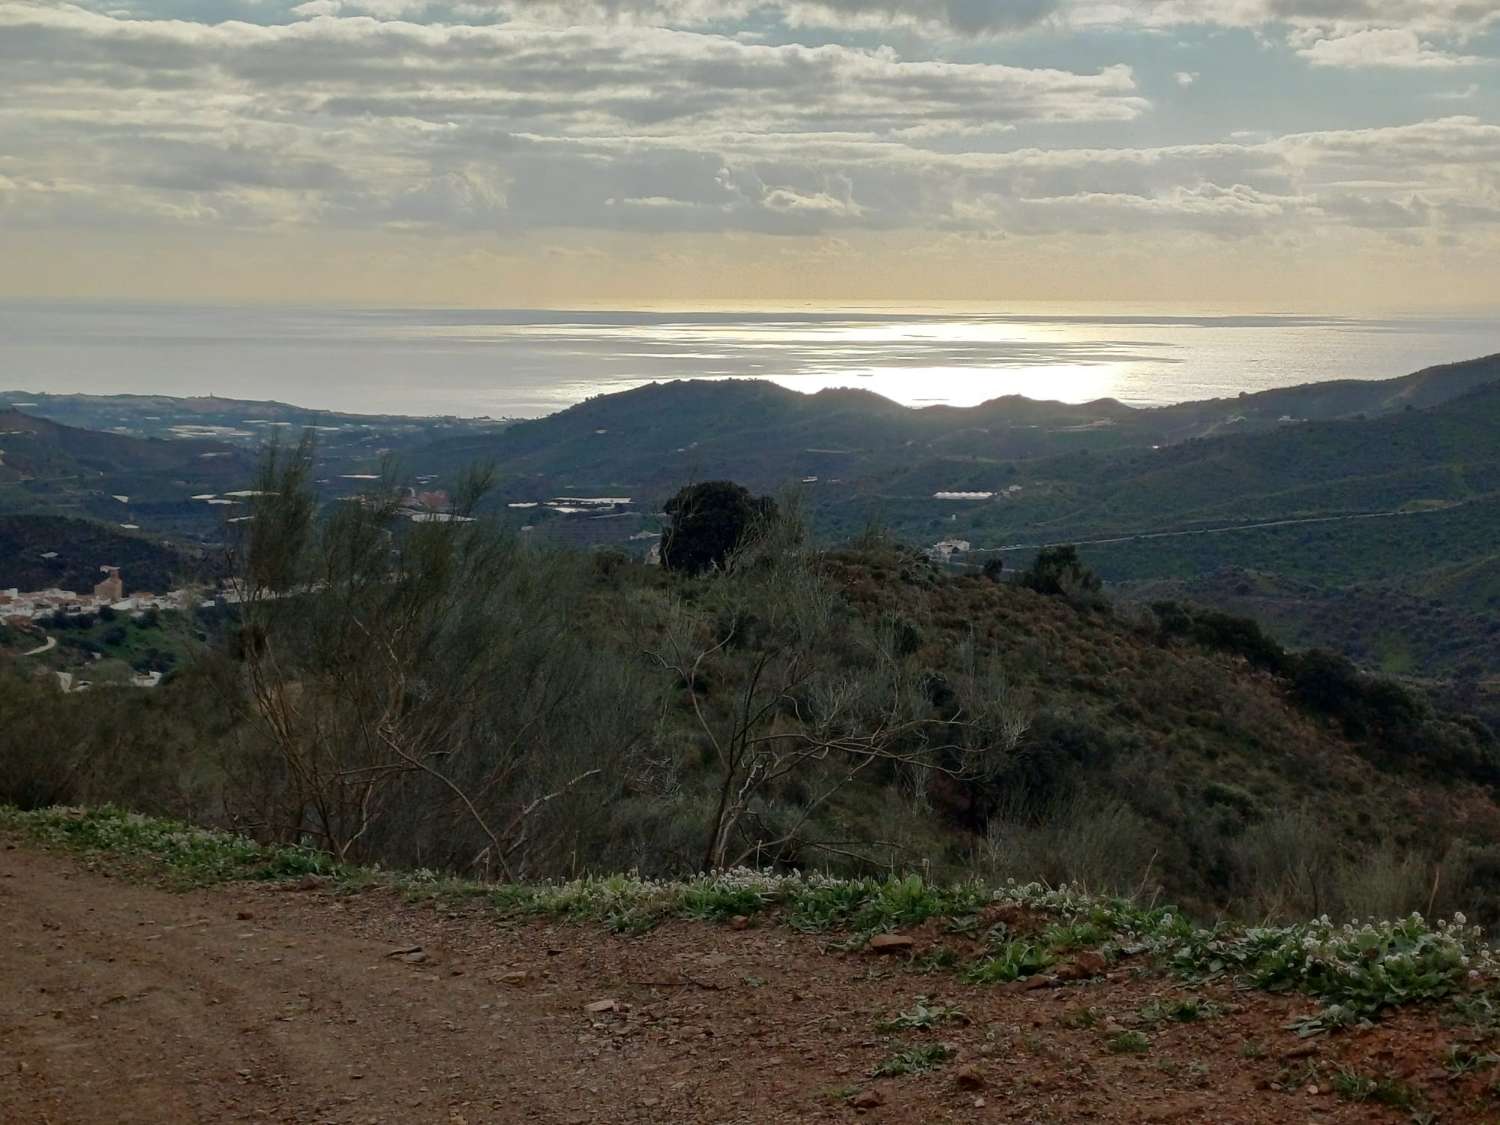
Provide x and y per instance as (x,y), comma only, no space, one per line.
(520,363)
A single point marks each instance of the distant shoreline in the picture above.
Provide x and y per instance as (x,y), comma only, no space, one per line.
(500,364)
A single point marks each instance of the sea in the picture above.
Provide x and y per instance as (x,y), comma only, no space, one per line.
(527,362)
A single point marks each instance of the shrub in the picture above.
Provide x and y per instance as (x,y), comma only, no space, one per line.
(710,521)
(1059,571)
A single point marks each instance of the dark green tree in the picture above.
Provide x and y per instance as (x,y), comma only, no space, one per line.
(1058,570)
(710,521)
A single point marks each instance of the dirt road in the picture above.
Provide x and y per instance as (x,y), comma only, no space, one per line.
(123,1002)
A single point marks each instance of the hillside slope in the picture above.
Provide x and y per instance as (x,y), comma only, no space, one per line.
(40,551)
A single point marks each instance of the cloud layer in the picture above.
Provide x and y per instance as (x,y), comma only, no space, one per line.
(691,116)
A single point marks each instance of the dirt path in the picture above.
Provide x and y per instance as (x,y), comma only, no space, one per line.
(122,1002)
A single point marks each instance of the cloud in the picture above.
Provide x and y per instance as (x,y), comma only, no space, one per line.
(1387,46)
(373,122)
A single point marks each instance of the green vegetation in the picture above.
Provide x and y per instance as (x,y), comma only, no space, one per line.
(1188,1010)
(1353,971)
(1129,1043)
(710,522)
(1383,1090)
(441,695)
(1013,960)
(914,1060)
(922,1015)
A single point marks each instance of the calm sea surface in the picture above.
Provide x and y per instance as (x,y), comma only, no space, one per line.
(508,362)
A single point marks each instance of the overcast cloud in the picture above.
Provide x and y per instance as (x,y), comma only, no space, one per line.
(1275,122)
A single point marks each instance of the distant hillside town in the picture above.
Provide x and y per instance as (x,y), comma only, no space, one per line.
(18,607)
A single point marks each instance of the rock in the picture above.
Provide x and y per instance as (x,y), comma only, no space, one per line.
(968,1078)
(415,957)
(867,1099)
(1030,984)
(1085,965)
(516,977)
(739,922)
(598,1007)
(890,943)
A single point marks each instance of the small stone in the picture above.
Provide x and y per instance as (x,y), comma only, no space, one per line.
(867,1099)
(415,957)
(600,1006)
(517,977)
(1301,1051)
(244,915)
(739,922)
(968,1078)
(1085,965)
(890,943)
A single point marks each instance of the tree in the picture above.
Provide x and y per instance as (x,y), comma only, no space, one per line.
(791,696)
(1058,570)
(710,521)
(416,683)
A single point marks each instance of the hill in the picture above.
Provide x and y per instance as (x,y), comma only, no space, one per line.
(1383,483)
(38,552)
(1184,750)
(656,436)
(38,449)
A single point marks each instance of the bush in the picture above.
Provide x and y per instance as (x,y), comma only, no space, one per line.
(710,521)
(1058,571)
(1221,632)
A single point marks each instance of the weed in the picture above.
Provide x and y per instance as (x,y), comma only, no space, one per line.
(1189,1010)
(1012,961)
(1353,1086)
(922,1014)
(1385,1090)
(716,903)
(1128,1043)
(914,1060)
(1071,936)
(1460,1058)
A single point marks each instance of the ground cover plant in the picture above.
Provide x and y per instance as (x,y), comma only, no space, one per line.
(1353,971)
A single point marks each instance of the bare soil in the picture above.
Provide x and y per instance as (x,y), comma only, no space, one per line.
(121,1001)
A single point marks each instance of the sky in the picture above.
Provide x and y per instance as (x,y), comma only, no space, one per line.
(1329,155)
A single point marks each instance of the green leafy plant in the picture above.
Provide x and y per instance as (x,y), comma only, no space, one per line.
(1128,1043)
(923,1014)
(1463,1058)
(1012,961)
(914,1060)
